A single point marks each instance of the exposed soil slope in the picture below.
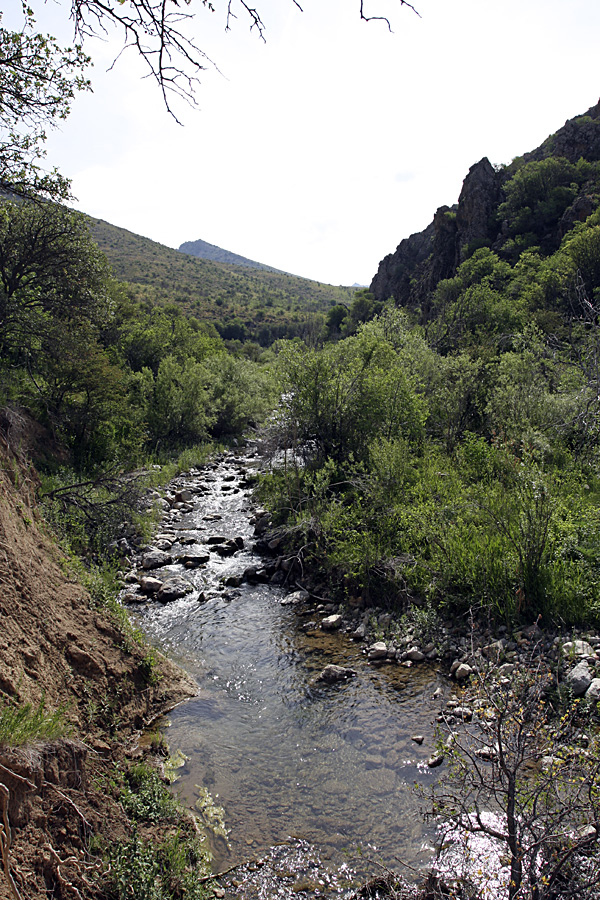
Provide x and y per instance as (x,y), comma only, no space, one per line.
(53,644)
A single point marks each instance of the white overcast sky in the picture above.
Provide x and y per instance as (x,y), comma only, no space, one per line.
(319,150)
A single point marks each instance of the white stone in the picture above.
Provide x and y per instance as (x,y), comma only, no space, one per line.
(378,650)
(593,691)
(579,679)
(577,648)
(463,672)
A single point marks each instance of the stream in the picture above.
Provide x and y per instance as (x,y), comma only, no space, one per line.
(330,765)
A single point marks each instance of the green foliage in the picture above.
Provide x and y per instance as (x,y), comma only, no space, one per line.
(38,83)
(536,197)
(144,796)
(140,869)
(173,866)
(27,724)
(336,401)
(498,525)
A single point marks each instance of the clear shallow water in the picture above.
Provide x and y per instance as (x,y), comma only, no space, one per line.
(332,765)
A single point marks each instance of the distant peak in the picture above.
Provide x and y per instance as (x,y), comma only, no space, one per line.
(204,250)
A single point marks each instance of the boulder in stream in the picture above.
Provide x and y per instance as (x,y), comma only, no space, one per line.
(192,560)
(150,585)
(332,623)
(579,679)
(331,674)
(254,575)
(227,549)
(173,589)
(154,559)
(378,650)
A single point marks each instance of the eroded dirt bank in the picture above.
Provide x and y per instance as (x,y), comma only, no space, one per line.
(55,646)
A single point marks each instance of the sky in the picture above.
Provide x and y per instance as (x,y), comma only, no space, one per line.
(320,149)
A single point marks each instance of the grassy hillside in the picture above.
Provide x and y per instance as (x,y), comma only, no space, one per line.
(243,304)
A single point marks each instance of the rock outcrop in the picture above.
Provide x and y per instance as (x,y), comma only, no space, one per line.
(421,261)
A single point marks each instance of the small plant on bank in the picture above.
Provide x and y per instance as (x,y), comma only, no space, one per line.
(144,796)
(523,789)
(170,862)
(26,724)
(173,869)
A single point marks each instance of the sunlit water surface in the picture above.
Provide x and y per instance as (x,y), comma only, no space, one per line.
(332,765)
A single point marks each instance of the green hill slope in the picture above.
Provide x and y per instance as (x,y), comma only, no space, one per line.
(243,304)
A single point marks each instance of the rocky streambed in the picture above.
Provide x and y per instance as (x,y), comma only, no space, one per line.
(299,731)
(312,723)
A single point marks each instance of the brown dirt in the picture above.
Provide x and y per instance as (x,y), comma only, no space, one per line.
(54,645)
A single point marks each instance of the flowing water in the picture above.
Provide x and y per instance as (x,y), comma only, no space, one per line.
(332,765)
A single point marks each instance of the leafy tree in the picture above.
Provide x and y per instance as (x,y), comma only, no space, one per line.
(177,410)
(339,399)
(38,81)
(239,394)
(49,269)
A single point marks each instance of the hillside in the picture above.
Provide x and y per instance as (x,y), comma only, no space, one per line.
(244,304)
(529,205)
(204,250)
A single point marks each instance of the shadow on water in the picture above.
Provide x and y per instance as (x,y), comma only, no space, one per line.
(331,765)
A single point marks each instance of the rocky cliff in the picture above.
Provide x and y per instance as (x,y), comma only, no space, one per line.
(411,273)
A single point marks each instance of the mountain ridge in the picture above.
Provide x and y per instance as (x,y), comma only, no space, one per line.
(243,303)
(205,250)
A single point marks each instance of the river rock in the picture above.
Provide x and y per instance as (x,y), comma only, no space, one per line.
(462,672)
(461,712)
(436,759)
(227,549)
(378,650)
(579,679)
(359,633)
(593,691)
(577,648)
(155,559)
(506,669)
(332,623)
(296,597)
(254,575)
(150,585)
(495,650)
(173,589)
(233,580)
(163,544)
(216,539)
(332,674)
(261,522)
(184,496)
(414,655)
(193,560)
(132,596)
